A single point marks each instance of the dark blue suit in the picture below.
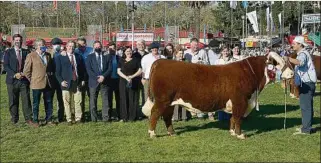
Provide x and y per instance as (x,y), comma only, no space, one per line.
(94,87)
(64,70)
(17,87)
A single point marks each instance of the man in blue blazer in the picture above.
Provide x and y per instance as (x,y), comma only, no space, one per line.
(70,73)
(98,66)
(17,83)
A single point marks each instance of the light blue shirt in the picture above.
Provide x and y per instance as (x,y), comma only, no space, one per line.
(305,70)
(212,57)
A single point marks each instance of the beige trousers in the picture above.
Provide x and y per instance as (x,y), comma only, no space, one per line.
(72,102)
(146,85)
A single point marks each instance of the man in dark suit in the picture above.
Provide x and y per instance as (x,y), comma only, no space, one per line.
(99,68)
(56,46)
(113,81)
(70,73)
(17,84)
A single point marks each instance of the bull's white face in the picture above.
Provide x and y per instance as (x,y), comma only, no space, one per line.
(287,73)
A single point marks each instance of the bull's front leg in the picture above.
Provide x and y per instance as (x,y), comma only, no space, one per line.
(232,126)
(155,114)
(167,115)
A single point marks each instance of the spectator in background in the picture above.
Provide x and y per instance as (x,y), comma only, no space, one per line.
(224,58)
(169,51)
(236,54)
(84,51)
(99,68)
(17,84)
(179,112)
(212,56)
(39,70)
(113,81)
(146,64)
(139,53)
(196,55)
(56,47)
(129,69)
(70,73)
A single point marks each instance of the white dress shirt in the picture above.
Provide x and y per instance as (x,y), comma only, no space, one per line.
(200,56)
(147,62)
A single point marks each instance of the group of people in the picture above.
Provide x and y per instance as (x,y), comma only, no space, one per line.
(76,70)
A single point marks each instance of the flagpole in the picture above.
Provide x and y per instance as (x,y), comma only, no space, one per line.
(271,24)
(133,25)
(282,26)
(79,19)
(19,16)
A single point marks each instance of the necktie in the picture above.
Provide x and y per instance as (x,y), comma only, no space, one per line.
(74,76)
(99,63)
(19,59)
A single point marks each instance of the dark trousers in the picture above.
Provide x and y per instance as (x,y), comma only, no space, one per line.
(47,99)
(306,104)
(60,104)
(180,113)
(84,90)
(14,91)
(93,102)
(129,102)
(114,87)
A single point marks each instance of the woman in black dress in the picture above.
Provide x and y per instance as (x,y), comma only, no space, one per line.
(129,69)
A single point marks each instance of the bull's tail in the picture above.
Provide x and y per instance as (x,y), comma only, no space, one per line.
(147,108)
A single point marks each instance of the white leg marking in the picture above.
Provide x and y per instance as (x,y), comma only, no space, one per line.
(151,134)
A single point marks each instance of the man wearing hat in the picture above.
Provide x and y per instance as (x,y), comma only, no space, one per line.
(56,46)
(305,78)
(146,63)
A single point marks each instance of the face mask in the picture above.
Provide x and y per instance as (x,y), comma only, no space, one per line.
(82,48)
(43,48)
(57,47)
(98,50)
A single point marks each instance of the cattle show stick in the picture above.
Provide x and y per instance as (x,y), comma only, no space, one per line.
(285,94)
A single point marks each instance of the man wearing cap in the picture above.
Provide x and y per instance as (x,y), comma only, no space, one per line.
(305,78)
(56,46)
(146,63)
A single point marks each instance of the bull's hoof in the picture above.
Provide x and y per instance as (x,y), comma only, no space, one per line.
(151,134)
(232,132)
(171,133)
(242,136)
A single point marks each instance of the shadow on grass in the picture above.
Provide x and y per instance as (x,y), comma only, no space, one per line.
(257,121)
(317,94)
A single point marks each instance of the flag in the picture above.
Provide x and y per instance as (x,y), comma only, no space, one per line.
(280,18)
(267,19)
(144,27)
(283,2)
(253,19)
(55,4)
(121,28)
(233,4)
(245,4)
(272,2)
(272,23)
(78,7)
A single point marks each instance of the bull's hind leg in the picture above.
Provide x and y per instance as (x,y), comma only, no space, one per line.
(238,132)
(167,115)
(238,113)
(232,126)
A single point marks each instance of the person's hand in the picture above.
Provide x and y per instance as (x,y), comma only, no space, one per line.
(83,83)
(64,84)
(18,76)
(100,79)
(128,78)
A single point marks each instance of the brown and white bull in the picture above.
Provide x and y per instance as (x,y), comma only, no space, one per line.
(232,88)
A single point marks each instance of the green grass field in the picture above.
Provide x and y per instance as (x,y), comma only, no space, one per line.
(196,140)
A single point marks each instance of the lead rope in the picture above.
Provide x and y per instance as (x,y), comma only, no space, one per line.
(257,89)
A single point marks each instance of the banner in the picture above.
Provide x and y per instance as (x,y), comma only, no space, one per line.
(137,36)
(253,19)
(280,19)
(245,4)
(268,19)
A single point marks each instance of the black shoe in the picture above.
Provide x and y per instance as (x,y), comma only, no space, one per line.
(78,122)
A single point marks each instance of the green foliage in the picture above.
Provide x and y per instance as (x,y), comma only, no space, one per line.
(197,140)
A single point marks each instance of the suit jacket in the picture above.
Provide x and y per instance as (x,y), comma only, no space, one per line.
(39,74)
(11,64)
(64,70)
(93,71)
